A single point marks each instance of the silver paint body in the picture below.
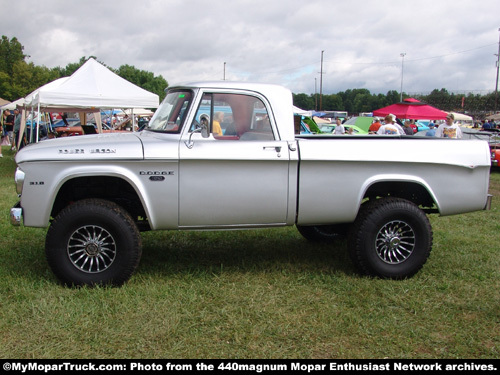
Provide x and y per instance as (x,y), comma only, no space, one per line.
(244,184)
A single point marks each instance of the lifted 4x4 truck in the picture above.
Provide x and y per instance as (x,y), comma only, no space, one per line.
(221,155)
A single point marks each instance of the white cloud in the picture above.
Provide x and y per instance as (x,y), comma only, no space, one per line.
(447,44)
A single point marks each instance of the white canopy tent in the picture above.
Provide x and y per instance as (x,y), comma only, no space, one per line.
(462,117)
(94,86)
(302,112)
(494,117)
(91,88)
(13,105)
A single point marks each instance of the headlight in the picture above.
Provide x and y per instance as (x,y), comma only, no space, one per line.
(19,178)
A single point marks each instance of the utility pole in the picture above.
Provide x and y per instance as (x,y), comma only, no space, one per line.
(224,75)
(321,84)
(402,68)
(315,94)
(498,68)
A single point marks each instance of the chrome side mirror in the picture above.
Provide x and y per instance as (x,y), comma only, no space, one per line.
(203,129)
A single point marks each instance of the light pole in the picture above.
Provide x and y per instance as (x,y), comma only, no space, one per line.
(316,94)
(321,84)
(402,69)
(498,68)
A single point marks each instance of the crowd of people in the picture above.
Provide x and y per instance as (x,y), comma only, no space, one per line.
(445,129)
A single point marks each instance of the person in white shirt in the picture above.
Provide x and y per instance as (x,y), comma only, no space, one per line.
(449,129)
(390,127)
(339,128)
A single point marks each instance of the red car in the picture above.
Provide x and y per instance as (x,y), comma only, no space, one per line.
(495,155)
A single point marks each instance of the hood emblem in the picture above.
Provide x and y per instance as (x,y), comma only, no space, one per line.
(103,150)
(71,151)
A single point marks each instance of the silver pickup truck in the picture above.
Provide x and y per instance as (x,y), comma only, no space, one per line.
(222,155)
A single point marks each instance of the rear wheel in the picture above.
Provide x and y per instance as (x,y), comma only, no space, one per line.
(93,242)
(390,238)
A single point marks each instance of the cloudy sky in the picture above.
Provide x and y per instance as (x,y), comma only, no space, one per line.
(447,44)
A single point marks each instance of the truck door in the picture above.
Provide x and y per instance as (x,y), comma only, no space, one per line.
(239,175)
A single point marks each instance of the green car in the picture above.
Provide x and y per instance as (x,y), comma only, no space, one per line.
(361,122)
(329,128)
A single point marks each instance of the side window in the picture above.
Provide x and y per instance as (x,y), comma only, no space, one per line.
(204,113)
(234,117)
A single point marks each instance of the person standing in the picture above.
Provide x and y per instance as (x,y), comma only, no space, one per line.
(407,128)
(432,131)
(375,126)
(1,135)
(339,128)
(449,129)
(487,125)
(390,126)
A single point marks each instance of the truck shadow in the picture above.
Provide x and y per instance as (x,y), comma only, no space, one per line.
(167,253)
(249,251)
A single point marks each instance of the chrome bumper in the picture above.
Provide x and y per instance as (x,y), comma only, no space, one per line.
(16,214)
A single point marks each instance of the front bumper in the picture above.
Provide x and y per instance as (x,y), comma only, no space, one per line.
(16,215)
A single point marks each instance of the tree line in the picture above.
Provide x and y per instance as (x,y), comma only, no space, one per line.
(357,101)
(18,78)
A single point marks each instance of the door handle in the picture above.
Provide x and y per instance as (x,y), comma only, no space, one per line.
(275,148)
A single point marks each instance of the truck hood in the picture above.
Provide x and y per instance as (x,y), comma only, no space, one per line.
(112,146)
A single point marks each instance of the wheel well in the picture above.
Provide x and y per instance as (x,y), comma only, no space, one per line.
(113,189)
(411,191)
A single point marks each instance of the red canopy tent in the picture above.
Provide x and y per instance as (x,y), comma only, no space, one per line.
(411,109)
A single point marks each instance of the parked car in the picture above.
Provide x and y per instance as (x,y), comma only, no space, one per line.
(361,122)
(74,127)
(329,128)
(71,128)
(422,125)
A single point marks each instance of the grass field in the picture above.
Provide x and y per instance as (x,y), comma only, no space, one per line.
(255,294)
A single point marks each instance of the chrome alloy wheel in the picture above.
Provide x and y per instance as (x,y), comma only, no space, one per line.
(91,249)
(395,242)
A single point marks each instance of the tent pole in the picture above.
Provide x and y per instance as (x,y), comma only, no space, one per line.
(37,124)
(31,127)
(22,128)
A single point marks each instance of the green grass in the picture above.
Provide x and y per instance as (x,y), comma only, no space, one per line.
(255,294)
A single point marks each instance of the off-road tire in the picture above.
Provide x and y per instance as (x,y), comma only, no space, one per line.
(93,242)
(390,238)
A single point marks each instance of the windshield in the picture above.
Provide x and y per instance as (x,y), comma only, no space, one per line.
(169,117)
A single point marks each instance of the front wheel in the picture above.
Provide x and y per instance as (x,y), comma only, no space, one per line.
(391,238)
(93,242)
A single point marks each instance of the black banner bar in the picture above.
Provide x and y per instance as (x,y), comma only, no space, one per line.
(235,366)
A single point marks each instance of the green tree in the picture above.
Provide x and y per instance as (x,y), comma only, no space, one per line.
(11,51)
(11,65)
(144,79)
(333,102)
(392,97)
(303,101)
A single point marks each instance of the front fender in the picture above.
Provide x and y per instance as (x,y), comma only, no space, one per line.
(42,186)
